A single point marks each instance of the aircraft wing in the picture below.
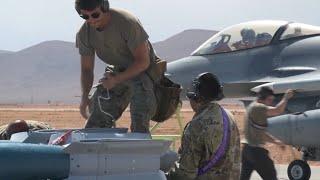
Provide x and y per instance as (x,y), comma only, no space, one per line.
(304,83)
(309,82)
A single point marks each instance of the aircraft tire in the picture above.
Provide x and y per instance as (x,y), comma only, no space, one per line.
(299,170)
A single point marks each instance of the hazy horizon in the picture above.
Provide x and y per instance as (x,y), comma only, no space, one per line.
(27,24)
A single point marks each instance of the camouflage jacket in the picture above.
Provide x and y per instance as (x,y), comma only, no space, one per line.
(33,126)
(201,138)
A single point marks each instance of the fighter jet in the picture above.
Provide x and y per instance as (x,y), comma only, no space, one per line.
(277,54)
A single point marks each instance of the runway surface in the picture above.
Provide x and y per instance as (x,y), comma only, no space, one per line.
(282,173)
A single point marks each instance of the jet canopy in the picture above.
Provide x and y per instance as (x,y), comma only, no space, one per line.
(252,34)
(298,29)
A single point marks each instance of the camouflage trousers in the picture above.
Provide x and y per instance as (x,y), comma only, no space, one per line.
(108,105)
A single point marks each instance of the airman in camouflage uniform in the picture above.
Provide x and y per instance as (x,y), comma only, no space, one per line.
(204,133)
(118,39)
(28,125)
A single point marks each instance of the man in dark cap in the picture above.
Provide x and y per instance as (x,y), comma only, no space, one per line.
(210,145)
(254,155)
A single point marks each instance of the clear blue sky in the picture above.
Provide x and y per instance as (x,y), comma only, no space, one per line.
(26,23)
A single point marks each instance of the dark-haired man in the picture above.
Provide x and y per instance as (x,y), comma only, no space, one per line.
(21,126)
(254,156)
(117,38)
(248,39)
(210,145)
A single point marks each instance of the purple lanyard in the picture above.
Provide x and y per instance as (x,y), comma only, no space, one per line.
(222,149)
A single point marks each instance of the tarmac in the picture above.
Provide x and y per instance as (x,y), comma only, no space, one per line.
(282,173)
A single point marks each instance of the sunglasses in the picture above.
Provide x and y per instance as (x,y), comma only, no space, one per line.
(95,15)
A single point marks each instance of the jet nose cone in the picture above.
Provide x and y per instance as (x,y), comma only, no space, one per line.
(183,71)
(173,71)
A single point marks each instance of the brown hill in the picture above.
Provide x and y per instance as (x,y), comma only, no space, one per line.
(4,52)
(50,71)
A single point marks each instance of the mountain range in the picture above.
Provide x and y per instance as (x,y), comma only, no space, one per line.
(49,72)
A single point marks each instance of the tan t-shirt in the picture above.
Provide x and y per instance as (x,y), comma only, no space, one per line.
(116,43)
(255,120)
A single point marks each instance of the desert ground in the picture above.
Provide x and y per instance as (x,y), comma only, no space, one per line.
(67,116)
